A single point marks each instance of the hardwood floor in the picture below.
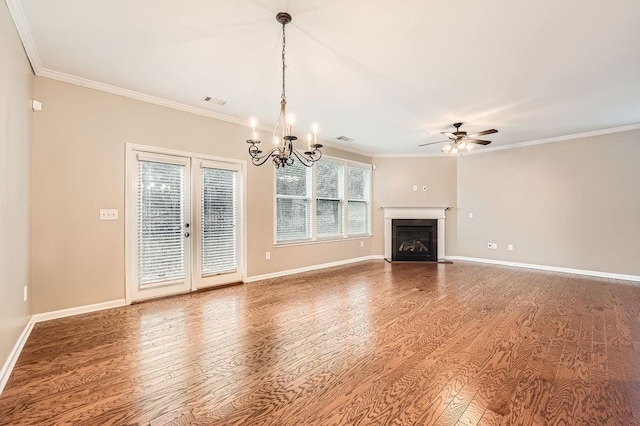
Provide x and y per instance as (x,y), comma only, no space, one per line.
(371,343)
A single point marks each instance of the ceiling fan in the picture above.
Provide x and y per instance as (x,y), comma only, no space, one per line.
(460,141)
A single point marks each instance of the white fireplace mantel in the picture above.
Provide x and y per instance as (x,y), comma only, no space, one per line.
(391,213)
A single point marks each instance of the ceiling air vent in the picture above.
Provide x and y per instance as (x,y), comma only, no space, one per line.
(215,101)
(345,139)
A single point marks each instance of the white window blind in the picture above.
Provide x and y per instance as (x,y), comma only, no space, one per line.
(293,203)
(359,189)
(160,222)
(218,221)
(329,199)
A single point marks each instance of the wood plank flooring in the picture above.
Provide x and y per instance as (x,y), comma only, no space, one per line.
(371,343)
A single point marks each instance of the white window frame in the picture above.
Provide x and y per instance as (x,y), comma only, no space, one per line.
(314,236)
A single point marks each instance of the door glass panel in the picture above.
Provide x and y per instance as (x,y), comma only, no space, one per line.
(218,221)
(161,245)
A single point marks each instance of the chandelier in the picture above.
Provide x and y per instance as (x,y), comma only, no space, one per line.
(283,152)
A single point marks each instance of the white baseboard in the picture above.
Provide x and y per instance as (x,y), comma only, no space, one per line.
(550,268)
(7,368)
(46,316)
(310,268)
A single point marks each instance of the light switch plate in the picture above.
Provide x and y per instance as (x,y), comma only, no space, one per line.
(108,214)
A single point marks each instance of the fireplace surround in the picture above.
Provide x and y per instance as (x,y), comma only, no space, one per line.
(436,214)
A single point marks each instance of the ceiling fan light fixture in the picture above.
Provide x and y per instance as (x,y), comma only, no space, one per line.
(446,148)
(469,147)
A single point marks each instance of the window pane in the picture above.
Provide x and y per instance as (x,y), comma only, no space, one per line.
(218,220)
(330,182)
(160,221)
(358,220)
(329,218)
(293,219)
(358,183)
(294,180)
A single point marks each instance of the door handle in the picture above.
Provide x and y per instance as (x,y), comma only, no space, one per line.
(186,235)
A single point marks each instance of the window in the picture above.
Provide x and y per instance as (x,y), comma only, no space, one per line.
(330,200)
(293,203)
(359,179)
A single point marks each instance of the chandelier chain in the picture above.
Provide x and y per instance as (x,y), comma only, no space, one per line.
(284,44)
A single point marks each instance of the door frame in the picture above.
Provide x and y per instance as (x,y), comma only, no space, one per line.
(131,150)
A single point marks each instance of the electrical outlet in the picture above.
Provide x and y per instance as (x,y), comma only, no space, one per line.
(495,246)
(470,215)
(510,247)
(415,187)
(108,214)
(489,245)
(267,255)
(361,243)
(26,293)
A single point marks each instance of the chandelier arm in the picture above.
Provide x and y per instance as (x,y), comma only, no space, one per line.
(305,159)
(257,159)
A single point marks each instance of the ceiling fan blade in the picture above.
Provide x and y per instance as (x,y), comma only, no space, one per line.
(477,141)
(449,135)
(432,143)
(484,132)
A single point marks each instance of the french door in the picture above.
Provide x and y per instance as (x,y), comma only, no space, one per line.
(183,216)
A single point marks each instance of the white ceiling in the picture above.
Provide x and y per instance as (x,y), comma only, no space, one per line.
(382,72)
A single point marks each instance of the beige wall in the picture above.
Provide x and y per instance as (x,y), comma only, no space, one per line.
(16,89)
(556,190)
(573,204)
(393,180)
(79,167)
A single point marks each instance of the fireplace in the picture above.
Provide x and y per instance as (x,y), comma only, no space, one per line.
(414,240)
(415,216)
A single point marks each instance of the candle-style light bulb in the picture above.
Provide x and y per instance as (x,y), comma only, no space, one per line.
(290,121)
(315,133)
(309,137)
(254,134)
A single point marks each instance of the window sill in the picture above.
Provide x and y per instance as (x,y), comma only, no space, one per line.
(322,240)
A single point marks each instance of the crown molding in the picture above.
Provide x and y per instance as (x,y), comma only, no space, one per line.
(573,136)
(103,87)
(92,84)
(410,155)
(24,32)
(334,145)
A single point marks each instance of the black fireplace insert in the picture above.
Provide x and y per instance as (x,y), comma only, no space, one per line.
(414,240)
